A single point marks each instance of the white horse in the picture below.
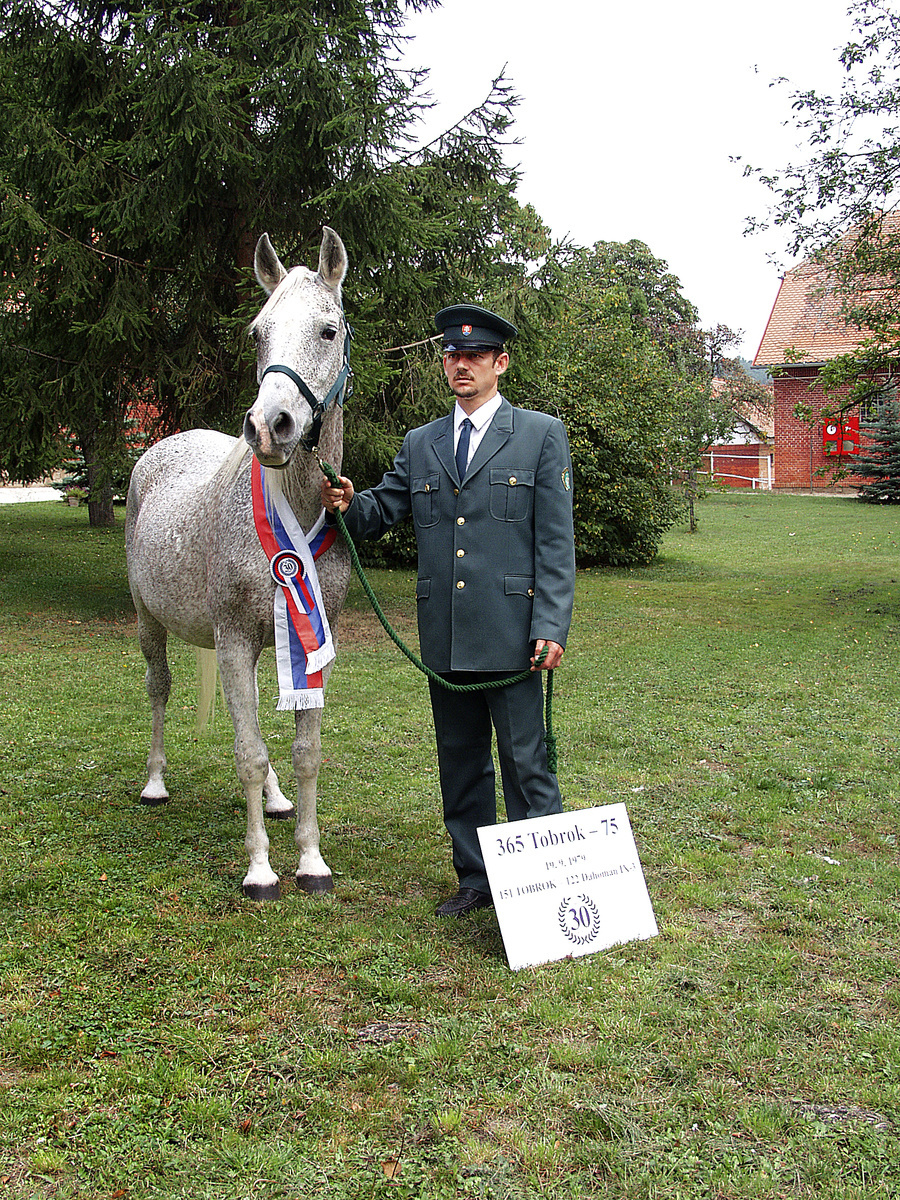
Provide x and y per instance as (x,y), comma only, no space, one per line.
(196,567)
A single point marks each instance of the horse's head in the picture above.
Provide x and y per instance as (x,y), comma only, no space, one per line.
(300,335)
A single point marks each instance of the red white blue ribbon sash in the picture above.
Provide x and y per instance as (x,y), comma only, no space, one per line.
(303,642)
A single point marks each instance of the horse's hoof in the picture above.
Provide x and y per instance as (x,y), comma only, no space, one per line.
(315,885)
(155,791)
(280,814)
(262,891)
(154,801)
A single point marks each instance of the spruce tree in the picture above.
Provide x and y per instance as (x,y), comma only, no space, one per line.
(142,152)
(879,462)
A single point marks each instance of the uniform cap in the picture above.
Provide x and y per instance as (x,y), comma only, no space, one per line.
(468,327)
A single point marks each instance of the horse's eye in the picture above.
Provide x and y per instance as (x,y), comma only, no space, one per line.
(329,334)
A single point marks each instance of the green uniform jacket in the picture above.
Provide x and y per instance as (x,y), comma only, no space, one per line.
(496,555)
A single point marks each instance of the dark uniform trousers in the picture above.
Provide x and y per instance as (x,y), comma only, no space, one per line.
(462,724)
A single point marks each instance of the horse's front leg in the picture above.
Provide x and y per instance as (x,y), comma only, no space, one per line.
(313,873)
(237,666)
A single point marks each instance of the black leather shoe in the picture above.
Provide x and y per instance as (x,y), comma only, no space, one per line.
(465,901)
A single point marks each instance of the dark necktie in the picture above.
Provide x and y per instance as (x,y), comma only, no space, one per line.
(462,449)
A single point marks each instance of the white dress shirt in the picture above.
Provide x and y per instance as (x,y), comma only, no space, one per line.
(480,419)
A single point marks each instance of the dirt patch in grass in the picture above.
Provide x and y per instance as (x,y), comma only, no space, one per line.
(842,1114)
(323,989)
(728,923)
(10,1078)
(384,1032)
(361,627)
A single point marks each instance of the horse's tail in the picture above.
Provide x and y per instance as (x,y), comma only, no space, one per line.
(207,678)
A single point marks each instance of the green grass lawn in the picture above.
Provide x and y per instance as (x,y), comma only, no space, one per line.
(160,1036)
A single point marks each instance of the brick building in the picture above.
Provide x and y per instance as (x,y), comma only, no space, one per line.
(745,458)
(805,331)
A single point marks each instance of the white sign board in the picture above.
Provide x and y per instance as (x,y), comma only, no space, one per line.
(566,885)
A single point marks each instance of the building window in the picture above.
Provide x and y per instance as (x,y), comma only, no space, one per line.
(872,408)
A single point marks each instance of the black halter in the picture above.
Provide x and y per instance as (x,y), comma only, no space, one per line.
(339,390)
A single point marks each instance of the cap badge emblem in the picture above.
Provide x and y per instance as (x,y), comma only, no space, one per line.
(467,329)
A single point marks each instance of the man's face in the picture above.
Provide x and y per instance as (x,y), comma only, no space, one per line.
(473,374)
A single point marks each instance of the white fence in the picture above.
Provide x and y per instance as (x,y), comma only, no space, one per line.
(765,484)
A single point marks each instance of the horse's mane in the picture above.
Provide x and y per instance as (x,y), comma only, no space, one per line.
(227,472)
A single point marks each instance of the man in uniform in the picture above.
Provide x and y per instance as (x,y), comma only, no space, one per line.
(489,489)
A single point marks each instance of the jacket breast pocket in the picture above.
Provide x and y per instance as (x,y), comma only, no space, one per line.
(425,497)
(512,494)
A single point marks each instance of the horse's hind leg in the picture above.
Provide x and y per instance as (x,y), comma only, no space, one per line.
(278,807)
(313,873)
(152,637)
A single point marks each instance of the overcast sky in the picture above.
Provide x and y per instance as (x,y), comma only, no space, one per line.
(630,116)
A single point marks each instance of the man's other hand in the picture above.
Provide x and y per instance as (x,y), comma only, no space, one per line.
(554,655)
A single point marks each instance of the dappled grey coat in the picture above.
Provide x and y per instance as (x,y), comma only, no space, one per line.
(496,555)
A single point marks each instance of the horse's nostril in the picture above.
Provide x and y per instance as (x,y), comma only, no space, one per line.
(283,427)
(249,428)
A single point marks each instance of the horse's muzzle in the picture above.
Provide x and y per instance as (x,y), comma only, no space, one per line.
(272,434)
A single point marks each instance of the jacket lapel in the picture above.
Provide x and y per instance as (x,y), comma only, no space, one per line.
(442,443)
(495,438)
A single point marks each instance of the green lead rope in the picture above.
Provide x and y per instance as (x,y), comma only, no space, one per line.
(549,737)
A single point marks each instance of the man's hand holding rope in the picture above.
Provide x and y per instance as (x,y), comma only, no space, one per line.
(337,499)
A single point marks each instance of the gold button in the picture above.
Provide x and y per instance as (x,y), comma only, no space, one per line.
(531,591)
(460,520)
(427,487)
(460,554)
(461,584)
(456,491)
(512,481)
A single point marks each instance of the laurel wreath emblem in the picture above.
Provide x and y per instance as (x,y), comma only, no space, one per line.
(586,916)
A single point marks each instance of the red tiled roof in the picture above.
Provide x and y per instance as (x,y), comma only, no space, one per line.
(806,323)
(760,418)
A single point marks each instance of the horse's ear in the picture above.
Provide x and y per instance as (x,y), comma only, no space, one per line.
(332,259)
(267,265)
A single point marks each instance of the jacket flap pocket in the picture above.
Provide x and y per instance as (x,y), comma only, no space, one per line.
(512,476)
(518,585)
(426,483)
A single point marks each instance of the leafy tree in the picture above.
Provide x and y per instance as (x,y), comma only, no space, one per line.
(614,387)
(705,414)
(143,150)
(711,400)
(838,205)
(879,462)
(654,294)
(643,391)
